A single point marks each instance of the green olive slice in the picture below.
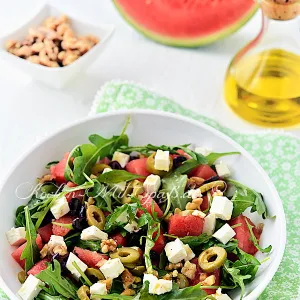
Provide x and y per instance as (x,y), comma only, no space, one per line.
(151,169)
(138,270)
(182,281)
(98,168)
(208,186)
(83,293)
(95,216)
(212,258)
(127,255)
(96,274)
(22,276)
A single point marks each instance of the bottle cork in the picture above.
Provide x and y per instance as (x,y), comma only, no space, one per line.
(280,9)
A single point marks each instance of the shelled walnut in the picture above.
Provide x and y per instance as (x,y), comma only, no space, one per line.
(53,44)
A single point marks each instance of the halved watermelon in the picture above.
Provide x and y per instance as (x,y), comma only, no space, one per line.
(18,252)
(185,225)
(62,231)
(38,267)
(186,23)
(91,258)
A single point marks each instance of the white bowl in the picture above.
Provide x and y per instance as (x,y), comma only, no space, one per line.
(56,77)
(145,127)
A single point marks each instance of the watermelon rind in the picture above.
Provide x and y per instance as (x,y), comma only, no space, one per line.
(189,42)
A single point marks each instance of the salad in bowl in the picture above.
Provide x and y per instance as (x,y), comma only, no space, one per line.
(113,221)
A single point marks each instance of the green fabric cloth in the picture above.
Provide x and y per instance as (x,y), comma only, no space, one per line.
(277,153)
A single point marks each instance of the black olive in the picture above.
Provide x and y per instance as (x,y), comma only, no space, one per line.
(115,165)
(62,259)
(75,206)
(48,218)
(211,179)
(79,224)
(154,256)
(134,155)
(178,160)
(82,212)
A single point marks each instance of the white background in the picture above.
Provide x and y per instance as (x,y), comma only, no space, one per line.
(194,78)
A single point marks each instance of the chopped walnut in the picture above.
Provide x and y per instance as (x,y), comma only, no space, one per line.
(195,204)
(44,252)
(175,273)
(209,281)
(194,182)
(127,278)
(47,177)
(171,267)
(61,250)
(189,270)
(167,277)
(128,292)
(109,245)
(108,283)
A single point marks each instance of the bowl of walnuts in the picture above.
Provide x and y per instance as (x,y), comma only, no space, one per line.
(53,47)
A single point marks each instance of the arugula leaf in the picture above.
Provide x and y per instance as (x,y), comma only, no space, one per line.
(201,159)
(31,252)
(51,163)
(84,278)
(117,176)
(187,166)
(147,149)
(52,277)
(175,185)
(20,217)
(194,241)
(45,296)
(212,157)
(91,245)
(111,296)
(255,241)
(245,197)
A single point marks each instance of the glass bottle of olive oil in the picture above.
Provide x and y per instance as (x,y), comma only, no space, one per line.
(262,83)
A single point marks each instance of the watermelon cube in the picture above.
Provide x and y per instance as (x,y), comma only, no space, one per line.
(18,252)
(38,267)
(160,243)
(147,202)
(119,239)
(58,171)
(45,232)
(203,171)
(91,258)
(182,226)
(62,231)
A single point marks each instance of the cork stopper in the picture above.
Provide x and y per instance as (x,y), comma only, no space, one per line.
(280,9)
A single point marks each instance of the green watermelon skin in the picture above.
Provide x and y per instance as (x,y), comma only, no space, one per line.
(186,23)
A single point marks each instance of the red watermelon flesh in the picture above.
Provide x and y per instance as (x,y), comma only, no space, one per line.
(182,226)
(186,23)
(62,231)
(58,171)
(147,202)
(203,171)
(160,243)
(91,258)
(18,252)
(38,267)
(119,239)
(45,232)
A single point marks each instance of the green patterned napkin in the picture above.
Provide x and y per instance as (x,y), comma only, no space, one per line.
(278,154)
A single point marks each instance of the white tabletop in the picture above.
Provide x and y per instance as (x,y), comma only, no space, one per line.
(193,78)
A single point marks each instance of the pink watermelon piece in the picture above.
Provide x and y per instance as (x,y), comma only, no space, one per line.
(187,23)
(38,267)
(91,258)
(185,225)
(45,232)
(62,231)
(18,252)
(147,202)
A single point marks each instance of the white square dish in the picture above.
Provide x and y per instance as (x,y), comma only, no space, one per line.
(56,77)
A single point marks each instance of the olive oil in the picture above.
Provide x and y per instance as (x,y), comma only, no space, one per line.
(264,88)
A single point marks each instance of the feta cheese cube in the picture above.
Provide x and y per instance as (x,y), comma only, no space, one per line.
(175,251)
(56,240)
(121,186)
(30,288)
(222,170)
(162,160)
(121,158)
(224,234)
(189,252)
(152,281)
(93,233)
(112,268)
(152,184)
(202,150)
(198,213)
(73,258)
(162,286)
(60,207)
(131,227)
(222,207)
(98,289)
(209,224)
(219,296)
(16,236)
(194,193)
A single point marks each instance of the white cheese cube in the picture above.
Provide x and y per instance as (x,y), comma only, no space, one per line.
(224,234)
(116,187)
(189,252)
(162,286)
(82,266)
(152,184)
(222,170)
(93,233)
(209,224)
(162,160)
(60,207)
(98,289)
(175,251)
(30,288)
(198,213)
(131,227)
(152,282)
(194,193)
(56,240)
(202,150)
(16,236)
(222,207)
(219,296)
(121,158)
(112,268)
